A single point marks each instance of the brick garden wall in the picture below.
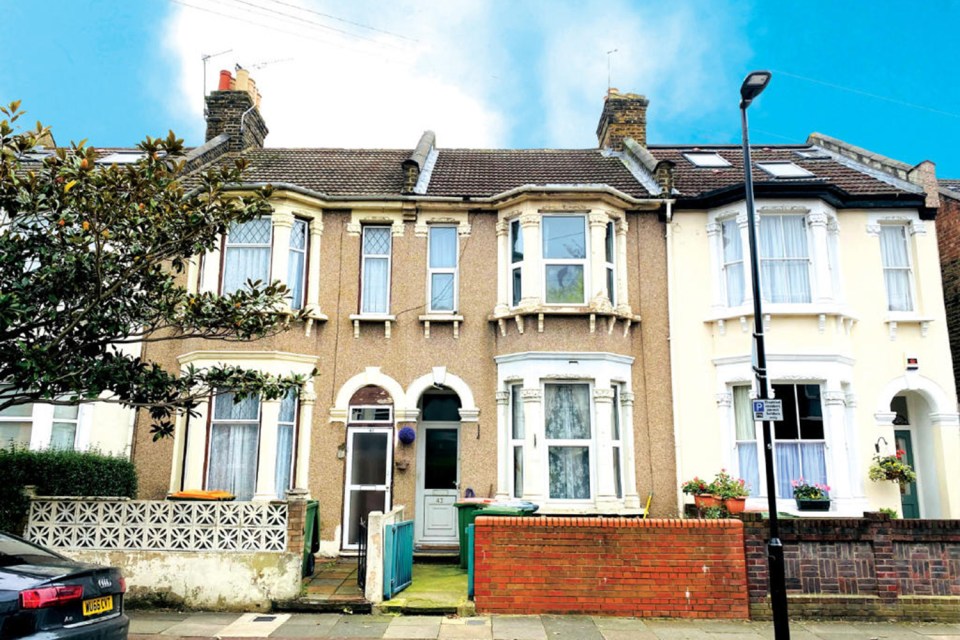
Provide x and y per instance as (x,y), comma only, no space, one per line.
(866,568)
(611,566)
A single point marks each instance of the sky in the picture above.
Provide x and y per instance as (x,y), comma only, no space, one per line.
(493,73)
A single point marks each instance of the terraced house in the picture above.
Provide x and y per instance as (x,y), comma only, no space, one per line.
(569,327)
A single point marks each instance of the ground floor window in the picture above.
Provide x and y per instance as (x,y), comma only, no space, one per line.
(40,425)
(569,435)
(234,440)
(799,439)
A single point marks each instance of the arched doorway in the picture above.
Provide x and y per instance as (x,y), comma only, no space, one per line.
(438,468)
(369,460)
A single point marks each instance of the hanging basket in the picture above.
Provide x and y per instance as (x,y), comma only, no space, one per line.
(407,435)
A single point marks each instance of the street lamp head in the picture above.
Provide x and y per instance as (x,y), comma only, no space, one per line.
(753,85)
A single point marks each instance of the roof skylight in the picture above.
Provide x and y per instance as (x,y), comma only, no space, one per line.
(784,170)
(706,159)
(122,157)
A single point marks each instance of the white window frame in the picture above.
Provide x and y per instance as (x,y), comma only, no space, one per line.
(784,169)
(227,246)
(617,441)
(9,419)
(454,271)
(298,303)
(515,266)
(725,224)
(590,443)
(75,421)
(363,407)
(584,262)
(610,260)
(378,256)
(516,442)
(294,429)
(806,260)
(213,421)
(706,159)
(903,228)
(762,489)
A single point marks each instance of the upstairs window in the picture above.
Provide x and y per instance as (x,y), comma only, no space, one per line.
(375,278)
(442,269)
(784,259)
(733,276)
(246,254)
(516,262)
(297,263)
(610,263)
(895,253)
(564,259)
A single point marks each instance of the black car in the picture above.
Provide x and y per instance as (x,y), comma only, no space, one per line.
(44,595)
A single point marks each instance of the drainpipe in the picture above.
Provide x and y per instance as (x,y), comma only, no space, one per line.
(242,118)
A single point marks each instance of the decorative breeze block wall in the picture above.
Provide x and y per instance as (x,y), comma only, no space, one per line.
(610,566)
(82,523)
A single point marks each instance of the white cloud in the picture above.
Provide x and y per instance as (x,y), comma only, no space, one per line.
(329,89)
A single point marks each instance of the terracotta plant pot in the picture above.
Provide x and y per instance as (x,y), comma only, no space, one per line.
(705,501)
(735,505)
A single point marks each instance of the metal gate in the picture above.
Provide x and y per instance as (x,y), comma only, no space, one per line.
(362,555)
(397,558)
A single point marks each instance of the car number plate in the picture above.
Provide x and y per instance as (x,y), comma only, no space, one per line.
(97,605)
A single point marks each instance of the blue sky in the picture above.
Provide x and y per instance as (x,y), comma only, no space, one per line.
(494,73)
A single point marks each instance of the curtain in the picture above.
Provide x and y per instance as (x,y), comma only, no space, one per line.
(733,262)
(443,248)
(746,436)
(375,281)
(285,432)
(787,455)
(297,263)
(784,259)
(896,268)
(234,439)
(814,462)
(247,254)
(567,407)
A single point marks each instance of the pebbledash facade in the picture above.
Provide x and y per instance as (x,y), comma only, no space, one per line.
(511,309)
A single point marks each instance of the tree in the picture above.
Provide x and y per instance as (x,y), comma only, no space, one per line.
(91,259)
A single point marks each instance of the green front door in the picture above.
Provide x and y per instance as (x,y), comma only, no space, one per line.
(909,503)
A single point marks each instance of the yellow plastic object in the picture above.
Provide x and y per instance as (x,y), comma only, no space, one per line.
(646,510)
(199,494)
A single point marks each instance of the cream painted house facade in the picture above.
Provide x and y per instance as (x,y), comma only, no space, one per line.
(856,339)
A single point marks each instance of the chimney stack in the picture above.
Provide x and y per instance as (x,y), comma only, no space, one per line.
(624,116)
(234,109)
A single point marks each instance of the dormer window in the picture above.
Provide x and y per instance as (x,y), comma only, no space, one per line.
(706,159)
(784,170)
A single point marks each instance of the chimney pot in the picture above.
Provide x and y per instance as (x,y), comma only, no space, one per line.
(226,81)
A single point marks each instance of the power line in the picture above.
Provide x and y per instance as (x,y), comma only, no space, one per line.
(869,95)
(298,19)
(344,20)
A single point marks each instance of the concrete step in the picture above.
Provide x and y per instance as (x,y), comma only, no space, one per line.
(316,605)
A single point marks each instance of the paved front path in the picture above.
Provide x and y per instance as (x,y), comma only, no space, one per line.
(158,625)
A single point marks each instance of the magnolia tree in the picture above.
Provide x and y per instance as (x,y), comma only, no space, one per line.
(91,259)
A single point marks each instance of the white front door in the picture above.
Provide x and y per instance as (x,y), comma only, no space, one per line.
(367,485)
(438,479)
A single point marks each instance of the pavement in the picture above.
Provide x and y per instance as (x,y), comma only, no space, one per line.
(165,625)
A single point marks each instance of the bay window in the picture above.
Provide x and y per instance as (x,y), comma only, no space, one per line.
(516,440)
(375,270)
(610,263)
(516,263)
(733,276)
(286,435)
(895,253)
(442,269)
(248,256)
(564,258)
(617,442)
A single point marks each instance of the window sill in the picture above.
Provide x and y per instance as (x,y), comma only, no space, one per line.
(441,318)
(896,318)
(744,313)
(386,319)
(541,311)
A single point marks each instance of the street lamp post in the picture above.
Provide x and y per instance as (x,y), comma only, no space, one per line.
(752,86)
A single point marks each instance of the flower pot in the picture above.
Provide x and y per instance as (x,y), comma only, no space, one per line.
(735,505)
(705,501)
(812,505)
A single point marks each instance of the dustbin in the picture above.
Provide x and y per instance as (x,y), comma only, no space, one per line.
(469,511)
(311,537)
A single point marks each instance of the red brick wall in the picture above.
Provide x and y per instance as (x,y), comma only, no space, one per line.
(611,566)
(864,568)
(948,240)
